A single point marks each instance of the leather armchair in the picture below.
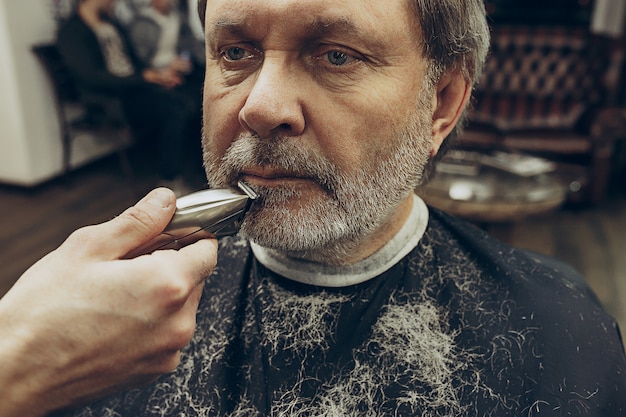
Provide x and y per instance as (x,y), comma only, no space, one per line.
(552,92)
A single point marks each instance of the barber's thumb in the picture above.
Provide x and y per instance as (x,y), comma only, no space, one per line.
(137,224)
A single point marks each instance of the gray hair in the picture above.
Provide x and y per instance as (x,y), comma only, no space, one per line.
(456,35)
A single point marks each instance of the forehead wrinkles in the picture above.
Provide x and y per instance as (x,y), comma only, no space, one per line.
(258,22)
(370,24)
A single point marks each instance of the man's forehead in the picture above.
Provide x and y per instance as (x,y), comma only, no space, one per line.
(339,16)
(312,24)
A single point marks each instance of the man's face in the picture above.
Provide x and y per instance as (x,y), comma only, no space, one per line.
(321,106)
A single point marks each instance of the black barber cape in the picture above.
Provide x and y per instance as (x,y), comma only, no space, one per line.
(462,326)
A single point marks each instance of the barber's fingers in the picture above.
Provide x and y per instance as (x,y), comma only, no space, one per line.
(177,271)
(190,264)
(136,225)
(179,326)
(167,278)
(199,258)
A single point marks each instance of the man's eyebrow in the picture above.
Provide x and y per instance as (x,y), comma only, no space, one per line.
(316,28)
(339,26)
(344,28)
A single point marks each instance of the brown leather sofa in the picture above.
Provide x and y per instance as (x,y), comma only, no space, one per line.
(553,92)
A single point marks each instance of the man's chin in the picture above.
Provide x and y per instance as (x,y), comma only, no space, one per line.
(299,223)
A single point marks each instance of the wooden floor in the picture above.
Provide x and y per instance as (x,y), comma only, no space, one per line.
(35,221)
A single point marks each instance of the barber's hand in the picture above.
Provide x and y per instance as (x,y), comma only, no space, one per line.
(82,323)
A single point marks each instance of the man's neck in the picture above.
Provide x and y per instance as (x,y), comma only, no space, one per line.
(385,232)
(382,256)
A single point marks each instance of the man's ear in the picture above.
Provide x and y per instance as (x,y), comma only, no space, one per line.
(453,93)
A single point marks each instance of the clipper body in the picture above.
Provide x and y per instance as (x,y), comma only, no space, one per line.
(208,213)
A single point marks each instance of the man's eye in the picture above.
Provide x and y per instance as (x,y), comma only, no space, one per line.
(337,57)
(235,53)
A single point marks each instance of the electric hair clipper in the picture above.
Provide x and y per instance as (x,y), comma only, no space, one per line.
(208,213)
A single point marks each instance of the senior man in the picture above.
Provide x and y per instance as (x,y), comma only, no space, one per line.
(344,294)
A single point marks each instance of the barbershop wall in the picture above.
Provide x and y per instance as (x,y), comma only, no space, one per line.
(29,147)
(30,144)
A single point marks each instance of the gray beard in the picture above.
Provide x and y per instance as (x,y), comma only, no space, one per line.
(352,206)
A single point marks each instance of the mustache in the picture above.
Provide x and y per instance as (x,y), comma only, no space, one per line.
(278,154)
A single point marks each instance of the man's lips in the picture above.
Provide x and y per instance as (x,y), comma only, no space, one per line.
(268,177)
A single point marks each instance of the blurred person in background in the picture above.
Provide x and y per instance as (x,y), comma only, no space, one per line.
(163,40)
(162,36)
(97,51)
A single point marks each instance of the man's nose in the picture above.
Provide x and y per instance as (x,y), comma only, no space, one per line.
(274,104)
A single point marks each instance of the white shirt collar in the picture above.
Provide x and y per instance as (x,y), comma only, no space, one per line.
(342,276)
